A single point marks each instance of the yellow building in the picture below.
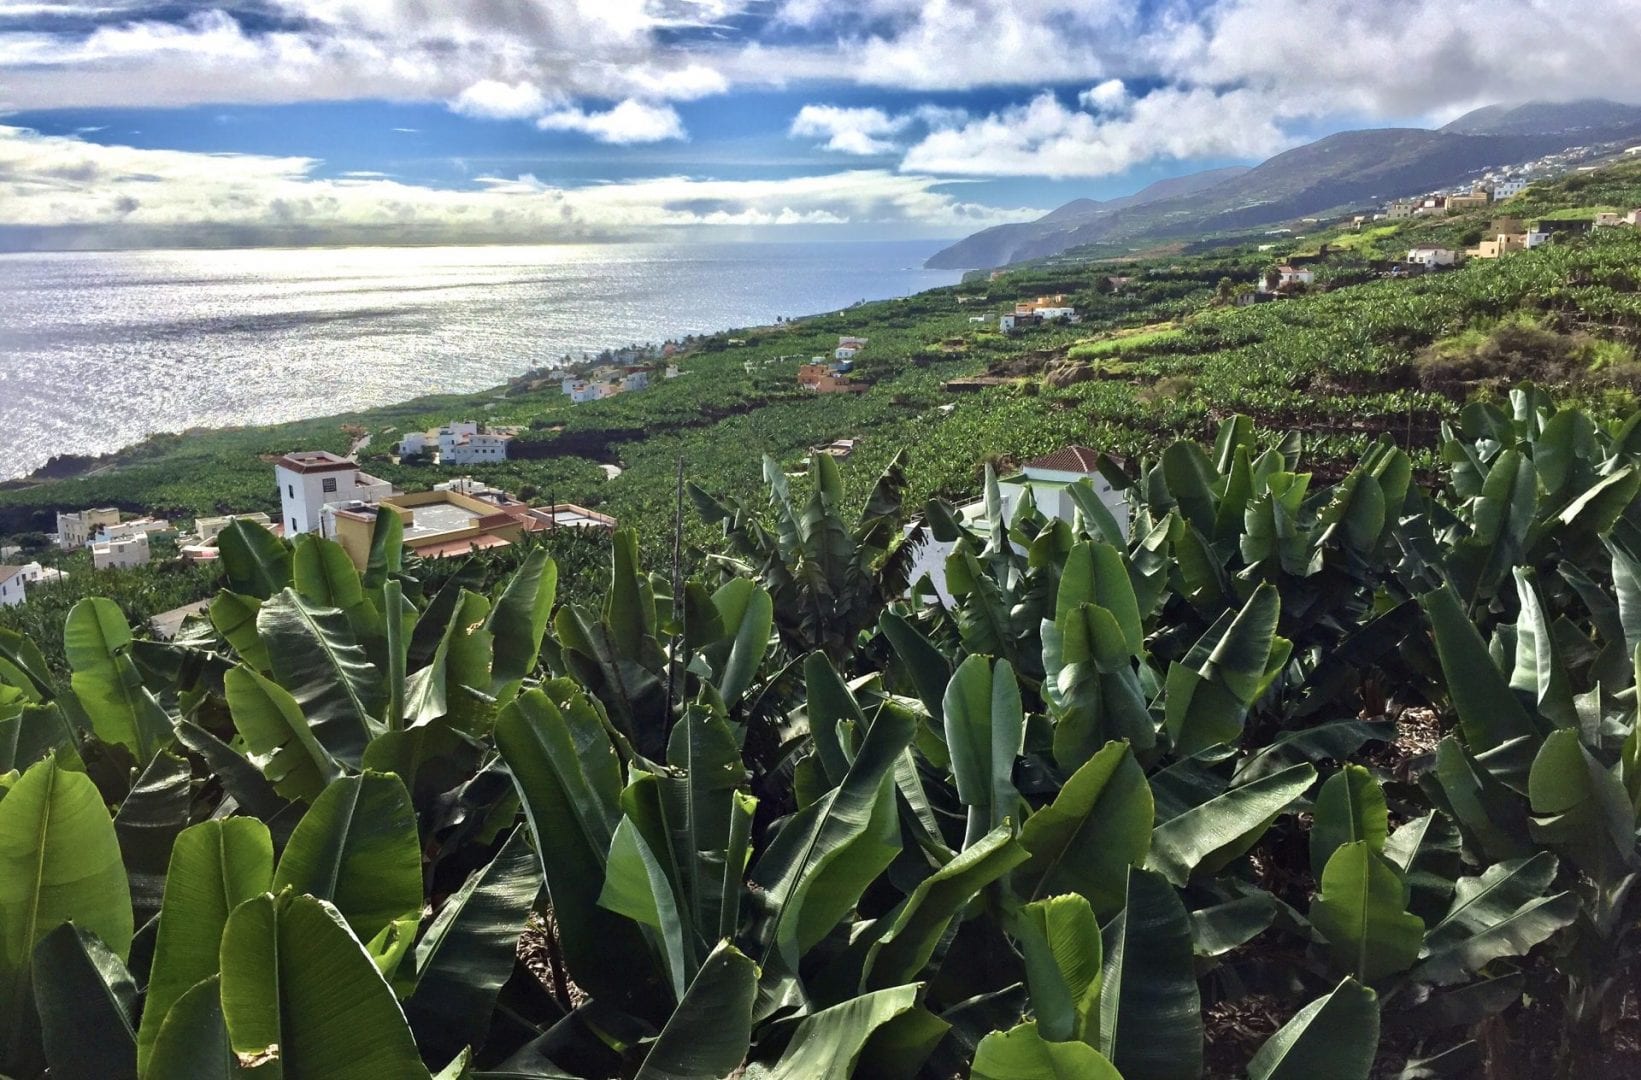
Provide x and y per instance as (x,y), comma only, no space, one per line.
(436,524)
(1472,201)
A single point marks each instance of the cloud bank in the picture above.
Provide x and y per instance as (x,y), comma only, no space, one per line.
(67,189)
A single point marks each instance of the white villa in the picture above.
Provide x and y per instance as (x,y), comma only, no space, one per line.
(309,480)
(458,443)
(1508,189)
(127,530)
(1048,479)
(132,551)
(1287,277)
(15,580)
(1432,257)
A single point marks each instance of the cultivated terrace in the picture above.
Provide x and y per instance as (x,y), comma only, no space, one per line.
(1318,758)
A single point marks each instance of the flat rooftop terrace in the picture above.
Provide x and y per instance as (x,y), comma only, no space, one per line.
(436,518)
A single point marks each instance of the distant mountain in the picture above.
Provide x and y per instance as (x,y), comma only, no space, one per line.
(1545,118)
(1349,169)
(1010,243)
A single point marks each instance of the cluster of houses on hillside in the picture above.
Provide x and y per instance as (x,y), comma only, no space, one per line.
(824,376)
(1043,309)
(328,494)
(319,492)
(463,442)
(608,380)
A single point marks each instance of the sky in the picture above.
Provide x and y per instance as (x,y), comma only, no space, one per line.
(245,122)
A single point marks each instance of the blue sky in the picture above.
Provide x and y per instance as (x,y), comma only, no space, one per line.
(124,121)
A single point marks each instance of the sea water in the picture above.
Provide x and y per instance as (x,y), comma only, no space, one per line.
(100,349)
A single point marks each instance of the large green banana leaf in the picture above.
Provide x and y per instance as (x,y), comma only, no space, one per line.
(59,862)
(315,656)
(300,993)
(357,847)
(1022,1053)
(1361,912)
(215,866)
(1335,1036)
(1097,826)
(985,730)
(97,641)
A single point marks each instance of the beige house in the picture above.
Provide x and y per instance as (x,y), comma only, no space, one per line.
(1501,244)
(1471,200)
(76,529)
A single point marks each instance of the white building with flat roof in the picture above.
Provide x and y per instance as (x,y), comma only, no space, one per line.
(477,448)
(125,530)
(1048,480)
(118,554)
(310,480)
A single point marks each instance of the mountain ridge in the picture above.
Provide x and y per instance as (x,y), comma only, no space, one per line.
(1348,168)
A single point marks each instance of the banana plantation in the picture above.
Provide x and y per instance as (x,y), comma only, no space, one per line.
(1273,780)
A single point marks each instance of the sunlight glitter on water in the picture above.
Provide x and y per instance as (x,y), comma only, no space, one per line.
(98,350)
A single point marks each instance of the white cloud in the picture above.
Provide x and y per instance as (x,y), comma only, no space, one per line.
(1045,138)
(1109,96)
(89,193)
(350,49)
(496,100)
(849,131)
(631,121)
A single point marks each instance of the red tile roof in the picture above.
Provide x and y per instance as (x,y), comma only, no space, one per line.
(1068,459)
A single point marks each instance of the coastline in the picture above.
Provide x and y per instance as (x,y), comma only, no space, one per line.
(76,463)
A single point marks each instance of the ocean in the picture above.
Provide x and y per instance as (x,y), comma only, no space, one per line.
(100,349)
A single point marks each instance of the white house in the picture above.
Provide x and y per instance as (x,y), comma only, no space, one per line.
(310,479)
(1508,189)
(1633,217)
(453,433)
(1607,220)
(1535,237)
(125,530)
(75,530)
(1287,277)
(638,379)
(121,553)
(1048,314)
(1048,479)
(15,580)
(1432,257)
(413,444)
(476,449)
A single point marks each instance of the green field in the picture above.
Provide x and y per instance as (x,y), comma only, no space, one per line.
(1339,366)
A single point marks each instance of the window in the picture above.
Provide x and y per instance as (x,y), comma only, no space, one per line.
(293,525)
(328,484)
(290,490)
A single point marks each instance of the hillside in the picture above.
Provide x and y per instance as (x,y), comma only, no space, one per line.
(1003,244)
(1546,117)
(1342,364)
(1345,170)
